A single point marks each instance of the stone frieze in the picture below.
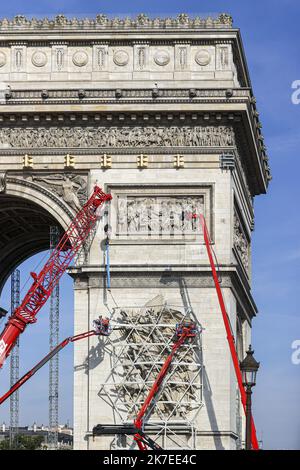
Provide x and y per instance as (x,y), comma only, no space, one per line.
(155,216)
(102,137)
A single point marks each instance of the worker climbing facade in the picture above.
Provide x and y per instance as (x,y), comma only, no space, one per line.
(161,115)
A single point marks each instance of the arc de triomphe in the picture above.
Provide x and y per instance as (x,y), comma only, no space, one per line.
(161,113)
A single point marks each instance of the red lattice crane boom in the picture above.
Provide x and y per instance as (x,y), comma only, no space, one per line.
(44,282)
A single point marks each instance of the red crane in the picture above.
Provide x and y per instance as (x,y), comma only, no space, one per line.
(44,361)
(102,328)
(230,336)
(44,282)
(184,331)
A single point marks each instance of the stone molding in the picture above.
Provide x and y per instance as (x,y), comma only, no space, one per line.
(132,93)
(151,212)
(116,136)
(194,277)
(36,187)
(86,138)
(168,151)
(103,22)
(147,280)
(110,62)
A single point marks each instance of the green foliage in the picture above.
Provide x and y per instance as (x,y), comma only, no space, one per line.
(4,445)
(29,442)
(23,442)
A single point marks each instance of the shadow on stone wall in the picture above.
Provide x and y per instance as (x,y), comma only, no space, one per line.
(94,358)
(207,395)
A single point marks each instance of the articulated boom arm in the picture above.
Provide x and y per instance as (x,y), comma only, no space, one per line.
(102,329)
(44,361)
(44,282)
(184,331)
(230,337)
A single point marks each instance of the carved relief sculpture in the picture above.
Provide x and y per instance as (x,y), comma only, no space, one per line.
(157,216)
(2,182)
(224,61)
(141,57)
(70,187)
(134,136)
(3,59)
(19,58)
(60,58)
(241,242)
(183,57)
(101,57)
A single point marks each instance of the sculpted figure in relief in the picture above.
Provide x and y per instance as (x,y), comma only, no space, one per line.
(126,136)
(72,188)
(2,182)
(241,242)
(157,215)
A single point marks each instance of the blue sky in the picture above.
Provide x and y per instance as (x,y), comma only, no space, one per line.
(270,32)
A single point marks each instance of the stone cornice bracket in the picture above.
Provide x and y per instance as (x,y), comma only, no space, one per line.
(100,42)
(18,43)
(182,42)
(102,22)
(141,42)
(2,182)
(59,43)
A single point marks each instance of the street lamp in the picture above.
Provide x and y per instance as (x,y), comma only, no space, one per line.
(249,367)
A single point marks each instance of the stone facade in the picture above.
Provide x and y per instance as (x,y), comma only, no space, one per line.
(159,112)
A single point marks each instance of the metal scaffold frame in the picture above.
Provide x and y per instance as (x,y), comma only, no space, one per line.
(140,341)
(54,361)
(14,364)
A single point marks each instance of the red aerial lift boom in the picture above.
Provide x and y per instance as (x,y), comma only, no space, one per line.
(102,328)
(184,331)
(230,336)
(44,282)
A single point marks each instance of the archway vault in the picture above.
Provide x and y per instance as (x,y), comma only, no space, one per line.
(26,214)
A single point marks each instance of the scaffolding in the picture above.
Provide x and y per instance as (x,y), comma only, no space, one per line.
(54,361)
(14,365)
(139,343)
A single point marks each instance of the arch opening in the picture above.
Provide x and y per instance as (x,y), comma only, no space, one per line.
(25,228)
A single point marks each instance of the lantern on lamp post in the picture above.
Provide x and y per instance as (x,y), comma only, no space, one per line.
(249,367)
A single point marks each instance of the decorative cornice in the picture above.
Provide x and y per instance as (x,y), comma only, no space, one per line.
(103,22)
(196,276)
(109,95)
(120,118)
(114,151)
(152,119)
(113,41)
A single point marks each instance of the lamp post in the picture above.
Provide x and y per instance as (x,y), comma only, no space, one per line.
(249,367)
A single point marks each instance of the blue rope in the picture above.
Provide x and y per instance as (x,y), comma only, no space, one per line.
(107,265)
